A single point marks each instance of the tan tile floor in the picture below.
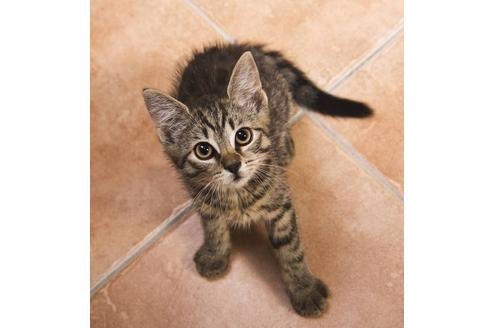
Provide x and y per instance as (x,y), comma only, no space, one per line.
(323,37)
(351,220)
(380,84)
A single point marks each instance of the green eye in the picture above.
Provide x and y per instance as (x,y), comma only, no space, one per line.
(203,150)
(243,136)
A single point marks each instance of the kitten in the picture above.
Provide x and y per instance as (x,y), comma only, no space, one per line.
(226,131)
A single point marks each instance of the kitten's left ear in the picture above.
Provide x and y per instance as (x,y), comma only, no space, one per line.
(245,84)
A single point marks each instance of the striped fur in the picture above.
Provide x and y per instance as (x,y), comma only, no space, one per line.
(223,90)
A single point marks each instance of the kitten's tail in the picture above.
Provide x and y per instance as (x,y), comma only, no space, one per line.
(307,94)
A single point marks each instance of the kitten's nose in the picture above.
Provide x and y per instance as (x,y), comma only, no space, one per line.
(231,162)
(233,167)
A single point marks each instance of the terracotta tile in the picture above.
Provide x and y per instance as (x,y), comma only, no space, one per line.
(322,37)
(352,231)
(380,138)
(133,186)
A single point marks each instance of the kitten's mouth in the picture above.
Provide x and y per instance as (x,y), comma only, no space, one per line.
(238,180)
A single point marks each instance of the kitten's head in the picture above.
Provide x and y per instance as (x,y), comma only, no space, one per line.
(223,143)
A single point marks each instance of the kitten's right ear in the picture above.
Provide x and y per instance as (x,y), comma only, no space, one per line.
(167,113)
(163,108)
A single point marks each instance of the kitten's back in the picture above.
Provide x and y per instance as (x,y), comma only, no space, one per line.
(207,75)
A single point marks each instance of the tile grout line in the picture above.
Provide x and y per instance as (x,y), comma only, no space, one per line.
(380,45)
(369,168)
(179,215)
(339,80)
(345,145)
(200,11)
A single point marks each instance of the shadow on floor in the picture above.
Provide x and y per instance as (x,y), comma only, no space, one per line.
(252,245)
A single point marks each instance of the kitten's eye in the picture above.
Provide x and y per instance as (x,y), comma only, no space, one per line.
(243,136)
(204,150)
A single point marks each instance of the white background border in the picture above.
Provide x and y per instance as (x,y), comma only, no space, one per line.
(44,173)
(449,164)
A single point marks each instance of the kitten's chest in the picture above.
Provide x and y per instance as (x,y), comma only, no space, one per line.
(242,208)
(238,215)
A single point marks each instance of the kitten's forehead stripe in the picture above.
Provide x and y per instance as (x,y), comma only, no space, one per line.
(224,117)
(231,123)
(205,121)
(219,112)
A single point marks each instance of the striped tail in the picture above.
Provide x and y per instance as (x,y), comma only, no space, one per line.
(307,94)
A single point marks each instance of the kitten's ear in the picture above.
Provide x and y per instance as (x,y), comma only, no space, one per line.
(167,113)
(245,84)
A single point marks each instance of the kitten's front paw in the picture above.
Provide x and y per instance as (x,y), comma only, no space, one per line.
(310,301)
(210,264)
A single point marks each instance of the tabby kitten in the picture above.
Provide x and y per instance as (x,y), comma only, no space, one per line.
(226,131)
